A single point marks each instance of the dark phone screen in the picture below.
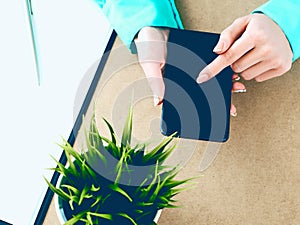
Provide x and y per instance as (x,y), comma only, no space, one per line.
(192,110)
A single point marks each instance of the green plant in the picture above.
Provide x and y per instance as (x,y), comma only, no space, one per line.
(113,183)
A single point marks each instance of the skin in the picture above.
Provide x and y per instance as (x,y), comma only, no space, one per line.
(152,52)
(254,46)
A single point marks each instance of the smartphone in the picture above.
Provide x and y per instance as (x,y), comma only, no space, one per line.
(191,110)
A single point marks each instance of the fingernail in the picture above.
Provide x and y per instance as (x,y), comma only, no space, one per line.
(234,76)
(240,91)
(233,114)
(202,78)
(219,47)
(237,78)
(155,100)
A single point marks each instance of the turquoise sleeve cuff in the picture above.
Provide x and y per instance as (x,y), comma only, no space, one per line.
(100,3)
(287,15)
(128,17)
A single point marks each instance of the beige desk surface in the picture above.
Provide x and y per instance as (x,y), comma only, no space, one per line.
(256,177)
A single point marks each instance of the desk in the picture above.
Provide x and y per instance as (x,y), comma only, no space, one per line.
(255,178)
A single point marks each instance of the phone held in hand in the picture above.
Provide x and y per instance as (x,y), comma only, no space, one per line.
(192,110)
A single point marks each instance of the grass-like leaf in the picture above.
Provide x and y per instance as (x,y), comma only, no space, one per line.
(71,189)
(120,191)
(84,194)
(145,203)
(61,168)
(101,215)
(158,149)
(69,149)
(128,217)
(75,219)
(72,200)
(95,150)
(112,132)
(94,188)
(126,136)
(58,191)
(98,199)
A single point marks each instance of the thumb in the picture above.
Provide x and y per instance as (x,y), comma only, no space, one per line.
(154,76)
(231,34)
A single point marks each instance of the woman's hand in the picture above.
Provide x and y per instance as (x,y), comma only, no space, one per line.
(254,46)
(151,45)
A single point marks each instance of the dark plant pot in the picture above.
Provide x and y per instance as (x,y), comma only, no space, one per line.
(64,213)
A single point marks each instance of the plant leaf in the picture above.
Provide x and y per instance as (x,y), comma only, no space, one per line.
(145,203)
(154,179)
(101,215)
(158,149)
(71,188)
(112,132)
(98,199)
(75,219)
(71,201)
(128,217)
(59,192)
(71,163)
(84,195)
(92,149)
(95,189)
(126,136)
(68,148)
(120,191)
(89,219)
(61,168)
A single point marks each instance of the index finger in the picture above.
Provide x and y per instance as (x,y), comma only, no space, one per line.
(240,47)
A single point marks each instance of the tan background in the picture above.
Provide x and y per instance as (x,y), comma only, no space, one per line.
(256,177)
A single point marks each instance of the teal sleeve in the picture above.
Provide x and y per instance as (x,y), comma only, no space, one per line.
(100,3)
(287,15)
(127,17)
